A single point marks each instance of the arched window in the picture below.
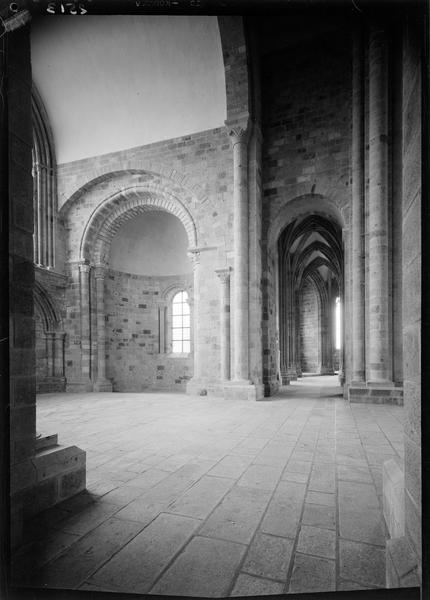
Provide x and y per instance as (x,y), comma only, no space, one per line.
(44,185)
(180,323)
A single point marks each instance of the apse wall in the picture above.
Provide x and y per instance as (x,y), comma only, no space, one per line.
(148,265)
(137,358)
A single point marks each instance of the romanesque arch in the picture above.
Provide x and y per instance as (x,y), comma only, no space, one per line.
(108,217)
(50,338)
(107,205)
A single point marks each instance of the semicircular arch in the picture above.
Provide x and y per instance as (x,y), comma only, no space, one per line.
(112,212)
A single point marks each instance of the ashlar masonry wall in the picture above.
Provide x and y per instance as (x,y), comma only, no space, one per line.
(309,329)
(198,171)
(138,344)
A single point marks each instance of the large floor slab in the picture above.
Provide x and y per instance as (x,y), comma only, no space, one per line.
(208,497)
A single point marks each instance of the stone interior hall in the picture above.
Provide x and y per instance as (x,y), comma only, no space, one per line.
(214,342)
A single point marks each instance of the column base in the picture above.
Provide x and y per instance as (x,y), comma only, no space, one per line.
(243,390)
(79,385)
(102,385)
(271,388)
(326,371)
(375,393)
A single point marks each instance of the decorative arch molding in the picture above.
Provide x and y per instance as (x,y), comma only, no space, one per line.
(169,179)
(44,183)
(110,214)
(301,206)
(50,367)
(168,293)
(50,314)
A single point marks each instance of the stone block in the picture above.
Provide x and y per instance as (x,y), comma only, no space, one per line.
(40,497)
(311,574)
(243,392)
(206,568)
(402,558)
(136,567)
(57,461)
(247,585)
(319,516)
(362,563)
(238,515)
(393,490)
(268,556)
(74,566)
(260,477)
(72,483)
(231,466)
(201,498)
(317,542)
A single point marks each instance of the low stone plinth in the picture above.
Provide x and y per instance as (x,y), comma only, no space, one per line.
(60,473)
(103,385)
(79,386)
(239,391)
(373,394)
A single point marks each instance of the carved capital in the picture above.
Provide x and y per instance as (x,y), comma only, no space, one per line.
(238,131)
(223,274)
(194,256)
(84,267)
(238,135)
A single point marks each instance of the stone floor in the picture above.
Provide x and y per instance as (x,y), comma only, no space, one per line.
(202,497)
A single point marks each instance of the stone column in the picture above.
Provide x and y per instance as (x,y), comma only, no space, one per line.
(380,351)
(195,258)
(58,348)
(357,258)
(102,384)
(84,292)
(224,275)
(162,327)
(241,386)
(239,139)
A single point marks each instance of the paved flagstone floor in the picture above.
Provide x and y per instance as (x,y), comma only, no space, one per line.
(200,496)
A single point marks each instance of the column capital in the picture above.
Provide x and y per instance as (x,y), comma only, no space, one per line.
(239,131)
(84,267)
(224,274)
(194,256)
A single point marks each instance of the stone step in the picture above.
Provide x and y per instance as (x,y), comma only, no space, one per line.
(60,472)
(46,441)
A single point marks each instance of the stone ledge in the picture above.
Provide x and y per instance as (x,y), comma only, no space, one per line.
(238,391)
(375,394)
(60,473)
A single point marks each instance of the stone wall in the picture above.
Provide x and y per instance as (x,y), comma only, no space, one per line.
(412,283)
(195,169)
(309,329)
(137,359)
(49,318)
(17,174)
(306,141)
